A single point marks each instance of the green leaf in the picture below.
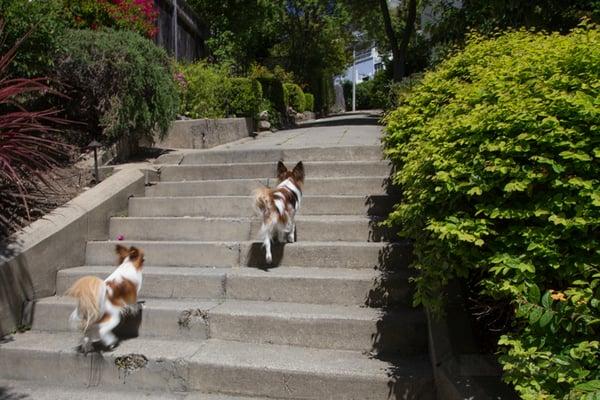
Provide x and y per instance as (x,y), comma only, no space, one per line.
(546,318)
(590,386)
(534,294)
(546,299)
(535,315)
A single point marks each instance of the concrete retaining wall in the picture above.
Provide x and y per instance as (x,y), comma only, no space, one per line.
(460,370)
(29,265)
(206,133)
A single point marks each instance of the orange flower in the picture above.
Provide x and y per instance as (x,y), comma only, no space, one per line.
(558,296)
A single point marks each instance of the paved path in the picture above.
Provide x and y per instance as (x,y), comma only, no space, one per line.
(353,129)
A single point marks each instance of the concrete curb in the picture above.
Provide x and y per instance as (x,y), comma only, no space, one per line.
(28,266)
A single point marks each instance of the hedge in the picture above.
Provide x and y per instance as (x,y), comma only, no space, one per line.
(294,97)
(119,84)
(209,91)
(498,155)
(243,97)
(309,101)
(273,91)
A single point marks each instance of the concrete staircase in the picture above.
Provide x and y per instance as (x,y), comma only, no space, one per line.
(329,320)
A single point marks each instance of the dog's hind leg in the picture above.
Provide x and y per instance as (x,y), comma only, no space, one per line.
(109,321)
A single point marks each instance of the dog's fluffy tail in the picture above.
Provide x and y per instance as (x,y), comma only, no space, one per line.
(90,292)
(262,200)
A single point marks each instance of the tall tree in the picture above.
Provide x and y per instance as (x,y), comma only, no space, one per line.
(397,23)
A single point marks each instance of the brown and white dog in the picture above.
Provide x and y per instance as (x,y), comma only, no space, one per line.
(102,303)
(278,206)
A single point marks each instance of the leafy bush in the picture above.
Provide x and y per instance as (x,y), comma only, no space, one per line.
(204,93)
(211,92)
(294,96)
(244,97)
(498,156)
(27,148)
(119,83)
(34,57)
(273,91)
(309,101)
(374,93)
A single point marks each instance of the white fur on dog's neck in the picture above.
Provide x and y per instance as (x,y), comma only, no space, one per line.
(127,271)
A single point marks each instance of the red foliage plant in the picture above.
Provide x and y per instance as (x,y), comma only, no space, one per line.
(137,15)
(26,147)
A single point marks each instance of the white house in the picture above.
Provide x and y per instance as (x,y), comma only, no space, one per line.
(368,62)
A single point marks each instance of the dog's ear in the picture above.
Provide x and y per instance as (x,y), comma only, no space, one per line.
(281,170)
(136,256)
(122,253)
(298,172)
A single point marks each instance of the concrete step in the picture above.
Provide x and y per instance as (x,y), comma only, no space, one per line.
(259,170)
(314,228)
(23,390)
(216,366)
(344,153)
(353,186)
(241,206)
(384,256)
(291,284)
(402,331)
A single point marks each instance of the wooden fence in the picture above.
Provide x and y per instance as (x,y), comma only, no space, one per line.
(180,31)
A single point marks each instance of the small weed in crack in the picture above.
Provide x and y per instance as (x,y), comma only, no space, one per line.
(130,363)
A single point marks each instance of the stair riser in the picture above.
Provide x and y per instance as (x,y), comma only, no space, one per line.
(243,206)
(301,385)
(74,370)
(77,370)
(262,170)
(362,153)
(242,230)
(280,289)
(355,186)
(232,254)
(324,332)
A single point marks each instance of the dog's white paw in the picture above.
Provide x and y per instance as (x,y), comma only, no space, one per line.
(269,258)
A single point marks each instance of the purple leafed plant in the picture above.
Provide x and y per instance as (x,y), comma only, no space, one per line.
(27,149)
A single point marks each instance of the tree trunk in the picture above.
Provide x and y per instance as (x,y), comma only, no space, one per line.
(389,31)
(411,18)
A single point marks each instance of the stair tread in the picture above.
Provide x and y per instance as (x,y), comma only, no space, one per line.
(223,354)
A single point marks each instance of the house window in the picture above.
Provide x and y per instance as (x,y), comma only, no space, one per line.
(378,67)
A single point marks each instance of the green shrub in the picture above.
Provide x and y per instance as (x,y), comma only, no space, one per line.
(273,91)
(309,102)
(294,96)
(374,93)
(244,97)
(35,55)
(119,84)
(204,93)
(498,156)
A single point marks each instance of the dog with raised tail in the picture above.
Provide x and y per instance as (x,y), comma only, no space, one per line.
(102,303)
(278,207)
